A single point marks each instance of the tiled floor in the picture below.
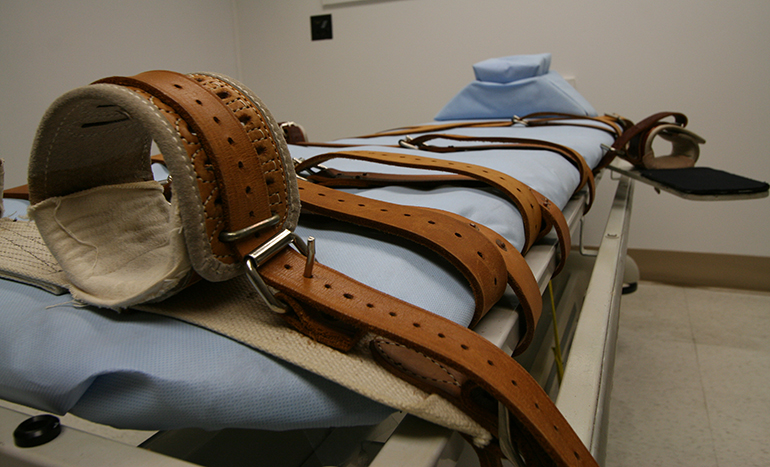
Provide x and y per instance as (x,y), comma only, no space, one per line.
(692,379)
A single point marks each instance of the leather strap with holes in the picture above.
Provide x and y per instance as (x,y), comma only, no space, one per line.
(249,180)
(502,142)
(630,145)
(472,372)
(472,248)
(413,341)
(612,124)
(520,278)
(549,214)
(519,193)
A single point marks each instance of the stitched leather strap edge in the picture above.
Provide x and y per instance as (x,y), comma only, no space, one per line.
(455,238)
(236,161)
(440,340)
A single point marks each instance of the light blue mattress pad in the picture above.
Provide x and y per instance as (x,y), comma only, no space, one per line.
(142,371)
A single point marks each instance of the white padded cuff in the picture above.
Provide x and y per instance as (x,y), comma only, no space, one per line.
(119,245)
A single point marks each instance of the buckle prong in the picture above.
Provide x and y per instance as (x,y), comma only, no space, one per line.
(607,148)
(261,255)
(310,257)
(504,436)
(518,120)
(406,143)
(242,233)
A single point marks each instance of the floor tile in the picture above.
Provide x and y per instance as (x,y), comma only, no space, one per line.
(660,420)
(629,453)
(738,403)
(643,364)
(730,318)
(691,370)
(740,372)
(740,428)
(659,311)
(658,412)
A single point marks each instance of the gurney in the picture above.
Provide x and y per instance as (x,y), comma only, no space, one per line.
(100,384)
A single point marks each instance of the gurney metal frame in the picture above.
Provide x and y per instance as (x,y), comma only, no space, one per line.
(584,395)
(587,318)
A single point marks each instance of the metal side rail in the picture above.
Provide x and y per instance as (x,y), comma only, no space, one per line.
(585,391)
(408,440)
(72,448)
(419,443)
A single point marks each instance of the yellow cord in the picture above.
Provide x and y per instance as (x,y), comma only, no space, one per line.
(557,347)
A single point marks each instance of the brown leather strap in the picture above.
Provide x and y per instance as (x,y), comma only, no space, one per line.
(472,248)
(19,192)
(612,124)
(409,130)
(244,168)
(627,150)
(554,218)
(574,157)
(293,132)
(482,372)
(456,239)
(520,278)
(416,344)
(519,193)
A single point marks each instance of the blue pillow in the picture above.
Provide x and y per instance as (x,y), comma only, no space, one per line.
(513,68)
(531,88)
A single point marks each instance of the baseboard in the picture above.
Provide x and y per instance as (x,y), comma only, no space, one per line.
(703,269)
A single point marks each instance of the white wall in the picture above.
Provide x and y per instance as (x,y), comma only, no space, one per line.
(48,47)
(397,62)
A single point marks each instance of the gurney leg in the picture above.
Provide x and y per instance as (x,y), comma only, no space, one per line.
(630,276)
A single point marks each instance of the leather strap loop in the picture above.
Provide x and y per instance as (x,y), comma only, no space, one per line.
(519,193)
(238,162)
(574,157)
(436,339)
(459,241)
(624,146)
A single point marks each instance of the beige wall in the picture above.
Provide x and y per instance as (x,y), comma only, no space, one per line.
(397,62)
(48,47)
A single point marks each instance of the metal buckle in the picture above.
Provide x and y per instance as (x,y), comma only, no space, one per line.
(504,437)
(269,249)
(406,143)
(310,170)
(239,234)
(516,119)
(606,148)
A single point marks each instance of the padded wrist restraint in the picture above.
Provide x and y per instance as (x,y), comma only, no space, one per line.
(635,144)
(234,205)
